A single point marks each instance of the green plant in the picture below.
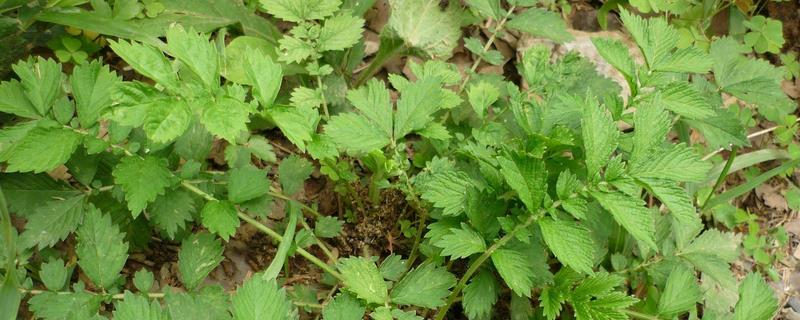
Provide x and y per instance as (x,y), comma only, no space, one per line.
(529,192)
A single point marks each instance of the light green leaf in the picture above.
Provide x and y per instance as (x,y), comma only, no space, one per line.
(293,172)
(328,227)
(680,206)
(374,102)
(756,299)
(481,96)
(247,183)
(488,8)
(306,98)
(599,135)
(515,270)
(41,149)
(194,51)
(15,102)
(425,27)
(41,81)
(54,274)
(678,163)
(297,125)
(570,243)
(722,130)
(447,191)
(541,23)
(766,34)
(418,101)
(343,307)
(685,100)
(137,307)
(92,85)
(166,120)
(527,176)
(616,53)
(142,179)
(362,278)
(220,218)
(426,286)
(461,242)
(264,74)
(148,61)
(712,252)
(652,124)
(200,254)
(393,267)
(56,306)
(300,10)
(102,250)
(143,280)
(340,32)
(52,222)
(227,118)
(208,303)
(171,211)
(355,134)
(480,295)
(680,294)
(294,50)
(630,213)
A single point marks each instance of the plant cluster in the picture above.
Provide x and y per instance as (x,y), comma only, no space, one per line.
(548,197)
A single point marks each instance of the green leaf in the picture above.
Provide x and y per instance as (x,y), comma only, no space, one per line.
(426,286)
(766,34)
(652,124)
(480,295)
(328,227)
(194,51)
(296,124)
(92,85)
(142,179)
(143,280)
(488,8)
(227,118)
(374,102)
(340,32)
(208,303)
(171,211)
(41,81)
(137,307)
(148,61)
(355,134)
(599,135)
(200,254)
(527,176)
(102,250)
(15,102)
(260,299)
(418,101)
(722,130)
(481,96)
(594,296)
(52,222)
(26,192)
(616,53)
(680,205)
(41,149)
(362,278)
(679,163)
(393,267)
(166,120)
(756,299)
(447,191)
(541,23)
(54,274)
(461,242)
(57,306)
(264,74)
(300,10)
(293,172)
(247,183)
(343,307)
(680,294)
(630,213)
(425,27)
(711,253)
(570,243)
(220,217)
(515,270)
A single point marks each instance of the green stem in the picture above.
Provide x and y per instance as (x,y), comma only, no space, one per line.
(324,101)
(722,175)
(8,237)
(475,265)
(639,315)
(421,224)
(486,47)
(277,194)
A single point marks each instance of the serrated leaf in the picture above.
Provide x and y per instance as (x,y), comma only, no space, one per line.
(300,10)
(343,307)
(171,211)
(480,295)
(756,299)
(652,124)
(41,82)
(196,52)
(711,253)
(461,242)
(362,278)
(166,120)
(515,270)
(541,23)
(488,8)
(247,183)
(616,53)
(147,61)
(425,27)
(481,96)
(340,32)
(143,280)
(685,100)
(220,217)
(392,267)
(570,243)
(92,85)
(15,102)
(678,163)
(102,250)
(41,149)
(142,179)
(599,135)
(630,213)
(54,274)
(527,176)
(355,134)
(137,307)
(264,74)
(57,306)
(227,118)
(296,124)
(766,34)
(208,303)
(200,254)
(680,294)
(53,222)
(680,206)
(293,172)
(658,40)
(418,101)
(447,191)
(374,102)
(426,286)
(26,192)
(721,130)
(328,227)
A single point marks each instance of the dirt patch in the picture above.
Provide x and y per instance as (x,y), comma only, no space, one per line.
(376,230)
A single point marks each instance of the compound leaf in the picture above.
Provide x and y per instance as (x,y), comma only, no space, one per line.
(102,250)
(142,179)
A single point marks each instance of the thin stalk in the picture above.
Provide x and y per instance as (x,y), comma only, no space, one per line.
(277,194)
(486,47)
(8,238)
(421,224)
(475,265)
(318,242)
(263,228)
(722,176)
(639,315)
(324,101)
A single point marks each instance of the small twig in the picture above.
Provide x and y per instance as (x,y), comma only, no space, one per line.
(722,175)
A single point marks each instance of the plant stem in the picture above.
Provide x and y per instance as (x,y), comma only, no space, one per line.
(277,194)
(324,101)
(486,47)
(722,176)
(639,315)
(263,228)
(319,242)
(475,265)
(421,224)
